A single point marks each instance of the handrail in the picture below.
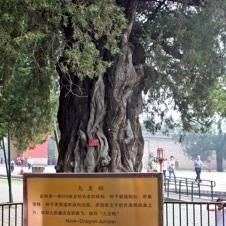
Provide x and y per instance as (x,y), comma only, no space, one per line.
(185,213)
(190,186)
(186,179)
(175,213)
(11,214)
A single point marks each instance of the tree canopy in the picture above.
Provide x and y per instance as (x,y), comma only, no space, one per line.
(185,59)
(31,43)
(180,43)
(206,145)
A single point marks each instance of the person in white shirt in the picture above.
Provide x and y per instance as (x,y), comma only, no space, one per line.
(164,167)
(29,162)
(171,167)
(220,212)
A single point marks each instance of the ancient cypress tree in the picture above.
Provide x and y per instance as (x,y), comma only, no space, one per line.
(105,108)
(106,54)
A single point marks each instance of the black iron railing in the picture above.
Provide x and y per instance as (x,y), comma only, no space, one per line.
(11,214)
(175,214)
(190,214)
(189,187)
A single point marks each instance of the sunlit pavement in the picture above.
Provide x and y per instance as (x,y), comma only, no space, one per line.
(17,188)
(218,177)
(18,170)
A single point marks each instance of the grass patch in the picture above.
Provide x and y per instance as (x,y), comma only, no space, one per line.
(13,181)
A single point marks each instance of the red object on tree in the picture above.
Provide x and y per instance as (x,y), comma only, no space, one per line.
(94,142)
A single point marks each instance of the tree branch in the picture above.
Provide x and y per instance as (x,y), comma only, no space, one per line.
(153,15)
(189,2)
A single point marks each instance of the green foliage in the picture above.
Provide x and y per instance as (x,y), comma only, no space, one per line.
(31,105)
(219,97)
(204,144)
(198,144)
(207,144)
(27,74)
(185,59)
(100,20)
(26,23)
(31,42)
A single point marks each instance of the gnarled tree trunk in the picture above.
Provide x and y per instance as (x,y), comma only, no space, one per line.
(107,109)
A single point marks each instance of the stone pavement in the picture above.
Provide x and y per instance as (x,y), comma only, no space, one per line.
(17,169)
(17,187)
(218,177)
(17,183)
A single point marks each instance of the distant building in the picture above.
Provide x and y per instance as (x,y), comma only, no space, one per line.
(153,142)
(40,154)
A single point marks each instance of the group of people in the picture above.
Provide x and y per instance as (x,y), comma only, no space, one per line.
(12,163)
(218,208)
(170,166)
(166,166)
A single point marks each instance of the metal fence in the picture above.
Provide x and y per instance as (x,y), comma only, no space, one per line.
(175,214)
(11,214)
(189,187)
(191,214)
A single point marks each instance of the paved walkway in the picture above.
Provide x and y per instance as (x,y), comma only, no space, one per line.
(17,187)
(17,169)
(218,177)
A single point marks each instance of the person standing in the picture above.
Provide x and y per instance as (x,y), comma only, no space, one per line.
(220,212)
(18,160)
(2,161)
(12,164)
(171,167)
(198,168)
(164,167)
(155,164)
(29,162)
(150,165)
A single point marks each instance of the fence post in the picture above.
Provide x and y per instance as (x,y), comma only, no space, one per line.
(211,189)
(192,187)
(186,179)
(199,185)
(168,188)
(179,189)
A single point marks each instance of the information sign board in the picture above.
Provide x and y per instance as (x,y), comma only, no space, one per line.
(119,199)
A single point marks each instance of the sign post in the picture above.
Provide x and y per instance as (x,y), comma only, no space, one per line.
(160,157)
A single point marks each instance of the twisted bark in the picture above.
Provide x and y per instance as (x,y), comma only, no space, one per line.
(106,109)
